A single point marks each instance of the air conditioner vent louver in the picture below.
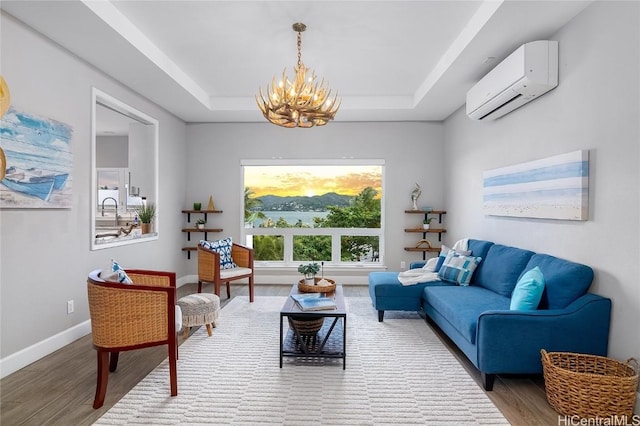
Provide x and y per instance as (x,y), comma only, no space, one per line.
(526,74)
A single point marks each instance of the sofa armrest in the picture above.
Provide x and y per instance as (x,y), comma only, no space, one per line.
(510,341)
(416,265)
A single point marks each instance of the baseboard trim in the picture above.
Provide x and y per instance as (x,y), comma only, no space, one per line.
(186,280)
(16,361)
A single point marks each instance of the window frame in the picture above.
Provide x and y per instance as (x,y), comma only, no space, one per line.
(335,233)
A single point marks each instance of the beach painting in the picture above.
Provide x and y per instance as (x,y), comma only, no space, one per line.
(551,188)
(37,161)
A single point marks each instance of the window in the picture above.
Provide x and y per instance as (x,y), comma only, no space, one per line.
(297,211)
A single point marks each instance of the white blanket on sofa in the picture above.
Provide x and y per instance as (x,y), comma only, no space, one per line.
(426,273)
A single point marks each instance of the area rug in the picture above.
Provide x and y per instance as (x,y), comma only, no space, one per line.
(397,373)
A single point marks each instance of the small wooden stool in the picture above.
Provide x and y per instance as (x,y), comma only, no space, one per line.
(199,309)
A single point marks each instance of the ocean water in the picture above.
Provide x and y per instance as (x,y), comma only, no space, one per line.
(292,217)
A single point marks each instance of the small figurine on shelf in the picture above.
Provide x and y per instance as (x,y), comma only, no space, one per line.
(415,194)
(200,223)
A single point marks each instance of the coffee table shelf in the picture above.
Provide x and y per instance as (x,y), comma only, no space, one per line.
(329,342)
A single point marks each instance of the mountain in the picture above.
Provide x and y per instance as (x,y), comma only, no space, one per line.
(301,203)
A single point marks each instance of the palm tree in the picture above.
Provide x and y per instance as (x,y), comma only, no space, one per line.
(250,204)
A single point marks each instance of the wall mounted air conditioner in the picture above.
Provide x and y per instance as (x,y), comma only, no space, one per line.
(526,74)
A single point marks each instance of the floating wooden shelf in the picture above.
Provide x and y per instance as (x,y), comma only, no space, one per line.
(425,211)
(423,249)
(201,211)
(424,232)
(189,212)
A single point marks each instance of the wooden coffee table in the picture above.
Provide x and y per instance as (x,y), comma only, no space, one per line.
(329,342)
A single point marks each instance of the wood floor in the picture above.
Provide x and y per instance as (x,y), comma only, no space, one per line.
(59,389)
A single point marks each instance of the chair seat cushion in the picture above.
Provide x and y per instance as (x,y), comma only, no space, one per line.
(234,272)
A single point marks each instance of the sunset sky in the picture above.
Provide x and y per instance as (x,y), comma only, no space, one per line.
(311,180)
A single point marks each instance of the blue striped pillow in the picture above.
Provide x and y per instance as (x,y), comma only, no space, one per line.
(458,268)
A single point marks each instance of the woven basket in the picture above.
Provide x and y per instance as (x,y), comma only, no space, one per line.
(590,386)
(307,326)
(303,287)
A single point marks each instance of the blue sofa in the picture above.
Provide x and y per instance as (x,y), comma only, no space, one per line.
(478,318)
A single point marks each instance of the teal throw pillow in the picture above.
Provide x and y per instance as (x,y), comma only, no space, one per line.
(458,268)
(528,291)
(223,248)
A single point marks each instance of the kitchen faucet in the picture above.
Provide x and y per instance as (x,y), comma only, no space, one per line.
(115,201)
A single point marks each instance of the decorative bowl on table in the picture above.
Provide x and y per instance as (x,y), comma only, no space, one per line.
(321,285)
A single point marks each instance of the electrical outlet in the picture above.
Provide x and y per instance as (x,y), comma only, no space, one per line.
(69,307)
(403,264)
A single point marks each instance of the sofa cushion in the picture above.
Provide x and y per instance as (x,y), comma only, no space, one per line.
(528,292)
(386,284)
(502,267)
(458,268)
(462,306)
(478,248)
(387,293)
(565,281)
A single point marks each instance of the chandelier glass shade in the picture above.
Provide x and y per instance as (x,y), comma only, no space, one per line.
(301,102)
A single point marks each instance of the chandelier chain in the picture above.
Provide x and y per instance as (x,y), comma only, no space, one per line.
(299,48)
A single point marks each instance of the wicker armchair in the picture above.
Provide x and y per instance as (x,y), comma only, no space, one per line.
(132,316)
(209,268)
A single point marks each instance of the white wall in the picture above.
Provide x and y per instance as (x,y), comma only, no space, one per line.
(412,152)
(45,255)
(112,151)
(595,107)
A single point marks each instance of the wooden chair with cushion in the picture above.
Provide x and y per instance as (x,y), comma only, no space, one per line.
(132,316)
(209,270)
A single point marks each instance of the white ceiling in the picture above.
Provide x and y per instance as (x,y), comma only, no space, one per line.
(204,61)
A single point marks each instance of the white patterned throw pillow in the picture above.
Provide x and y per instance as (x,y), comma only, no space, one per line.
(223,248)
(121,275)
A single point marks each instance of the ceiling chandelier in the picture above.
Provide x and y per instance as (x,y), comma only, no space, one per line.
(302,102)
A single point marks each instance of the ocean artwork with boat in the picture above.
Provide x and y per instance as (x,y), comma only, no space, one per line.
(37,162)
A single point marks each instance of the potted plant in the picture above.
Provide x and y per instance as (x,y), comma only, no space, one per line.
(309,271)
(200,223)
(146,213)
(426,223)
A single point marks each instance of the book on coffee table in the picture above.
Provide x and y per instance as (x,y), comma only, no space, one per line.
(313,302)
